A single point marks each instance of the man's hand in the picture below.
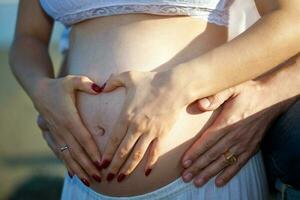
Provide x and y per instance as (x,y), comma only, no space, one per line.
(246,113)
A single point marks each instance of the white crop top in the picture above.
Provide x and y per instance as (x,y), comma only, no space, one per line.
(70,12)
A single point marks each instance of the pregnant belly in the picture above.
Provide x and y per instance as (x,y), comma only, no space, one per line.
(114,44)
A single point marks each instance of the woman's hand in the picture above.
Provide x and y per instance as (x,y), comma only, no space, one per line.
(56,103)
(149,112)
(247,112)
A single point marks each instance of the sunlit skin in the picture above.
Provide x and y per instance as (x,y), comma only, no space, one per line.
(249,109)
(150,95)
(153,90)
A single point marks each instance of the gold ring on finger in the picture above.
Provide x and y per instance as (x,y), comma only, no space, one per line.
(230,157)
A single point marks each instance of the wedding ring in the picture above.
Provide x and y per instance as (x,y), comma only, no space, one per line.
(65,147)
(230,157)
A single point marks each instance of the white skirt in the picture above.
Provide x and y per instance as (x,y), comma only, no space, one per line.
(249,184)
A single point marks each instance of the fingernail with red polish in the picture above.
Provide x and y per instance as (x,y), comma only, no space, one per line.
(148,171)
(97,178)
(105,164)
(96,88)
(85,182)
(70,174)
(110,177)
(98,165)
(121,177)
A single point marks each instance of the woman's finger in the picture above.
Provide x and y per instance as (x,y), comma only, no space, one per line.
(135,157)
(75,168)
(153,156)
(215,101)
(42,124)
(123,152)
(82,83)
(115,81)
(81,158)
(70,163)
(210,171)
(84,138)
(113,142)
(119,80)
(51,143)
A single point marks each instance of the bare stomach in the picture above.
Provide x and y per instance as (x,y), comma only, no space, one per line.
(143,42)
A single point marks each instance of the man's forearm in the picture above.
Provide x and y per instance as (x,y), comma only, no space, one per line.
(271,41)
(284,83)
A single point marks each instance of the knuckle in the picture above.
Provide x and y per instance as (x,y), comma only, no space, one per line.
(114,168)
(131,75)
(86,141)
(236,137)
(122,153)
(207,144)
(207,157)
(137,155)
(154,153)
(67,79)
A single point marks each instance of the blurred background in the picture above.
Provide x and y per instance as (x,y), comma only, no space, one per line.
(28,169)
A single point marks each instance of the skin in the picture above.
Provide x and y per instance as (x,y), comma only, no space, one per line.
(33,69)
(91,107)
(149,95)
(43,82)
(246,115)
(247,133)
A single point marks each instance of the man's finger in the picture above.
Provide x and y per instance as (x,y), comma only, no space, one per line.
(215,101)
(210,171)
(229,172)
(202,144)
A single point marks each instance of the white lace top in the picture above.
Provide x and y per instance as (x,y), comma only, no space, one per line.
(70,12)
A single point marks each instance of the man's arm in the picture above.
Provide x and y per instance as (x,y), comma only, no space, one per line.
(247,111)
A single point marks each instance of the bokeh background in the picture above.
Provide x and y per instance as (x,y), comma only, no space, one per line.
(28,169)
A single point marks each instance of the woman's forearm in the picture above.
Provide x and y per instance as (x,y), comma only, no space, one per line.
(30,63)
(269,42)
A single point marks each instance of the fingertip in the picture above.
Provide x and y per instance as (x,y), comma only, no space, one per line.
(219,182)
(203,104)
(96,88)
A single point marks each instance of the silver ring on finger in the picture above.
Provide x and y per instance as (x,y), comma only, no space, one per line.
(63,148)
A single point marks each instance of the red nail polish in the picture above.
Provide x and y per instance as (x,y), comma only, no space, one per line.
(85,182)
(121,177)
(98,165)
(97,178)
(110,177)
(105,164)
(96,88)
(148,171)
(70,174)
